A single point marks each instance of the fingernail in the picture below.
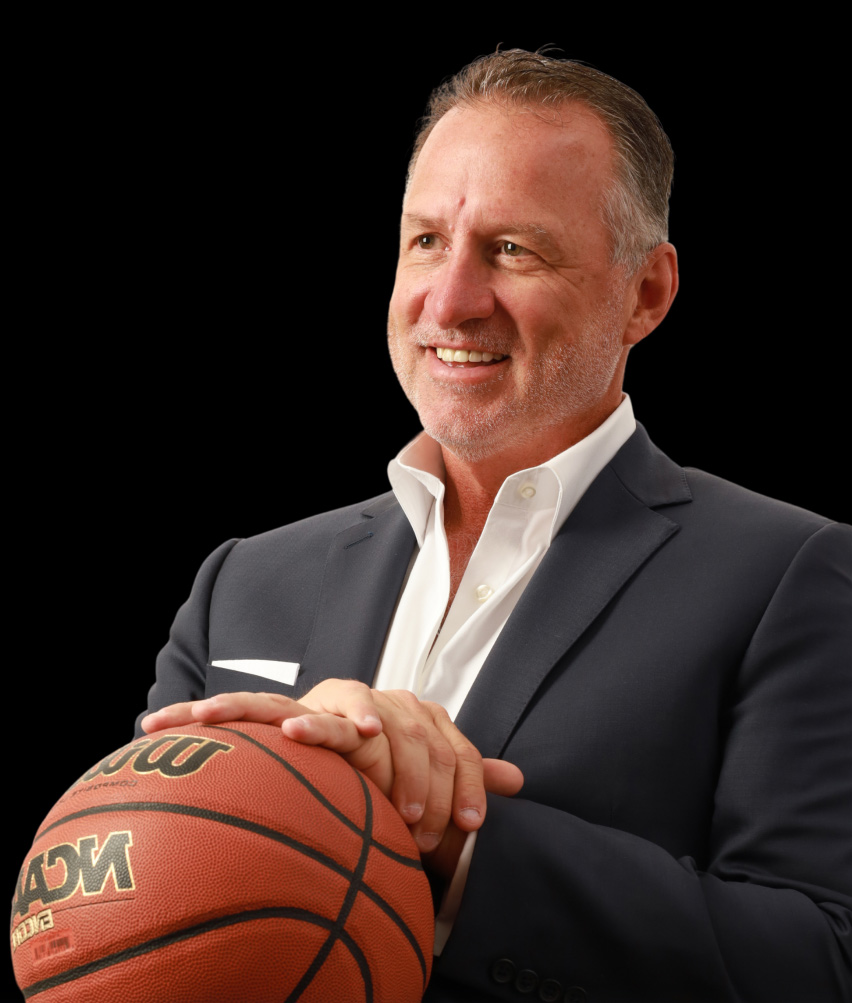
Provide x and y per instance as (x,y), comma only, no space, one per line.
(471,814)
(427,841)
(414,810)
(303,724)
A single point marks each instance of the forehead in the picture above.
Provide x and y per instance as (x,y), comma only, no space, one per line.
(480,156)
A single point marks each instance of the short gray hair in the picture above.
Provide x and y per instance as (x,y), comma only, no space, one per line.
(635,206)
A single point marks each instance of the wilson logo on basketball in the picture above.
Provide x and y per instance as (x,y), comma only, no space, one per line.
(171,756)
(55,874)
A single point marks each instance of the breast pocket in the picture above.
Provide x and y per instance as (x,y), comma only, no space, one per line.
(252,675)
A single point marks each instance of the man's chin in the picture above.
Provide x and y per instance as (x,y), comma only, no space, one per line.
(469,440)
(470,451)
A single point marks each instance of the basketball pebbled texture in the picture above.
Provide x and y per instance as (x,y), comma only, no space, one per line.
(222,864)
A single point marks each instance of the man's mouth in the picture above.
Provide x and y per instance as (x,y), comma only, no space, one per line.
(460,356)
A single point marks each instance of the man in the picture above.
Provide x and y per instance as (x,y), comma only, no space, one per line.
(659,657)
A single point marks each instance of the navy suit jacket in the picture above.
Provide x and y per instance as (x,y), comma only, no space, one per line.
(675,685)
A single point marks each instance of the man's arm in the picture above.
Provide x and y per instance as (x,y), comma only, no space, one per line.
(182,664)
(766,915)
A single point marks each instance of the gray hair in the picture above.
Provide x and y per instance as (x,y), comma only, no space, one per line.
(635,205)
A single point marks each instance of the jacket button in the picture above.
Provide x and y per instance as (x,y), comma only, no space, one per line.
(575,994)
(503,971)
(550,991)
(526,981)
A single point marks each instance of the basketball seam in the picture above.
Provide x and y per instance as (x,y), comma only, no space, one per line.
(386,850)
(240,823)
(355,885)
(209,815)
(148,946)
(323,800)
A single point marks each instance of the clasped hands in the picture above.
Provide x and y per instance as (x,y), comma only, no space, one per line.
(435,778)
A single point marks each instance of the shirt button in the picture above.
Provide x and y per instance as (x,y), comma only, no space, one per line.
(528,491)
(483,592)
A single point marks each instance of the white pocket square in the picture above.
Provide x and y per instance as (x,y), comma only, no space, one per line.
(281,672)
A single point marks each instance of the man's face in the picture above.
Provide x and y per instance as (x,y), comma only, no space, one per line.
(503,253)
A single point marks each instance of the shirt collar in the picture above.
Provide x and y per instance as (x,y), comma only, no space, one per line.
(417,474)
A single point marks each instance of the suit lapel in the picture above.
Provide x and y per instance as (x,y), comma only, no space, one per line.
(610,534)
(363,575)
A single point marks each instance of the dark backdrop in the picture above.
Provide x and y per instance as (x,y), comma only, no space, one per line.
(209,244)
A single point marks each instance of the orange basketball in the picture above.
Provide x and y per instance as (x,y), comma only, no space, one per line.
(222,863)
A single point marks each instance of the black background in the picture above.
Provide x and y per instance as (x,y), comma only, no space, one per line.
(209,240)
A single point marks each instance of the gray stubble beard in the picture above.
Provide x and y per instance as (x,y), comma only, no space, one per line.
(568,382)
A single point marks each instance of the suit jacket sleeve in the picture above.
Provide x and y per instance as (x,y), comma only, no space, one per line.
(182,664)
(766,915)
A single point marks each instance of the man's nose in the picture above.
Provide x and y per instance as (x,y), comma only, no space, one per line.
(461,290)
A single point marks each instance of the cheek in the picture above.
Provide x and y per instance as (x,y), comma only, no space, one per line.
(408,299)
(406,303)
(540,321)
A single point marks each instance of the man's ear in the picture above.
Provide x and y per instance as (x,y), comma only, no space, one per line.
(654,289)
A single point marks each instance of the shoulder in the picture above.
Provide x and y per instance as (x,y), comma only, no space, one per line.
(731,504)
(725,532)
(755,529)
(324,526)
(276,576)
(709,504)
(308,539)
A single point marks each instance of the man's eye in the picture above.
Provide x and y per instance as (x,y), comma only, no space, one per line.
(427,241)
(512,249)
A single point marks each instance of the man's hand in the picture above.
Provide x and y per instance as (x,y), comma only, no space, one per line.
(435,778)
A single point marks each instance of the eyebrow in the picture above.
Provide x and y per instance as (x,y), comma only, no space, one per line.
(537,231)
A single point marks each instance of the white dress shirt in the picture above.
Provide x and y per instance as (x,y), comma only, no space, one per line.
(441,663)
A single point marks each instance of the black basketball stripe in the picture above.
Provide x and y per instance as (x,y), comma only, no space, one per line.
(392,914)
(261,830)
(72,974)
(386,850)
(355,885)
(323,800)
(210,816)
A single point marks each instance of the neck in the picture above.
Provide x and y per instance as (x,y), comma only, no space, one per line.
(472,485)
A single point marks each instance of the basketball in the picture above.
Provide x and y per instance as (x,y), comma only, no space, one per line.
(222,863)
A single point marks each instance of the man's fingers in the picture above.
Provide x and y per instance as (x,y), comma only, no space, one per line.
(502,777)
(437,772)
(468,800)
(172,716)
(328,730)
(372,758)
(409,748)
(346,698)
(396,745)
(438,809)
(265,708)
(431,798)
(410,737)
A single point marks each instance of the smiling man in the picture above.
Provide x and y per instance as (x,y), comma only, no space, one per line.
(656,659)
(523,282)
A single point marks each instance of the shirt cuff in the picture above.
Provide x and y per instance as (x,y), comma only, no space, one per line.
(451,902)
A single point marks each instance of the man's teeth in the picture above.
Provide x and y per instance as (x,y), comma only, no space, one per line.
(463,355)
